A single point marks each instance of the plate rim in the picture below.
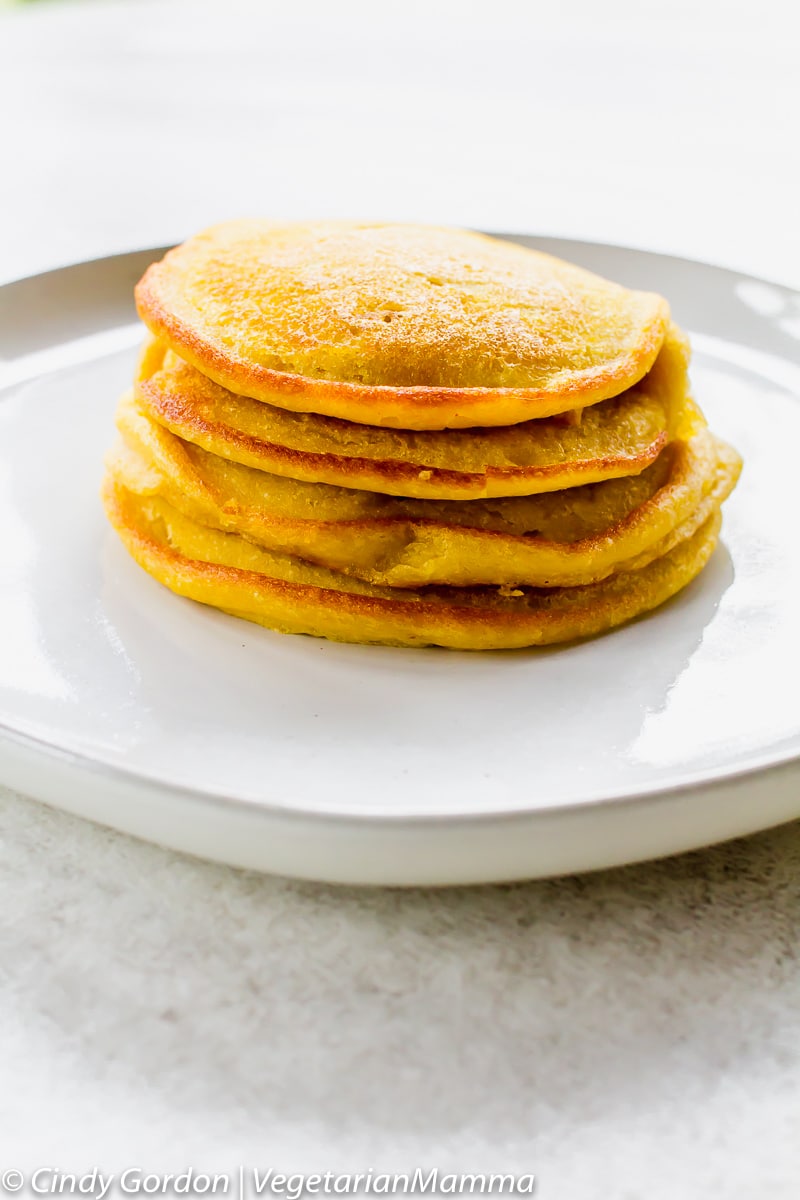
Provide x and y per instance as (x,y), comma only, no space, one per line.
(506,235)
(183,792)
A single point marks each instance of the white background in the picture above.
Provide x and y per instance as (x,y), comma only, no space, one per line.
(666,126)
(632,1034)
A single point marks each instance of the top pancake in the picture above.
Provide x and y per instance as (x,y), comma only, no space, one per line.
(411,327)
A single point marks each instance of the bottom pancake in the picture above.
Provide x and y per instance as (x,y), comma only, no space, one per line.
(229,572)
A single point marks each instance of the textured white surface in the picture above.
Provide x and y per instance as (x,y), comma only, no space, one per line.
(629,1034)
(633,1034)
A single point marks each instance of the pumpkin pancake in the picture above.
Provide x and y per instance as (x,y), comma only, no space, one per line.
(403,326)
(231,573)
(618,437)
(577,536)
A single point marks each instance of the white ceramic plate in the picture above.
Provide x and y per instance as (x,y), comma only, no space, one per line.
(154,715)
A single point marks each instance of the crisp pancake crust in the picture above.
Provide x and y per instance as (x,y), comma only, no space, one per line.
(228,572)
(566,538)
(618,437)
(405,326)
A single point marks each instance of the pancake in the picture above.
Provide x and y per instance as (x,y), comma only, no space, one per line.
(409,327)
(412,436)
(231,573)
(618,437)
(559,539)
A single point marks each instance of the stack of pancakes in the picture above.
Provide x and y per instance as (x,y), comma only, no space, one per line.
(413,436)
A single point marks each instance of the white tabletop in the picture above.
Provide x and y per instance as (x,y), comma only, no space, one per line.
(630,1034)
